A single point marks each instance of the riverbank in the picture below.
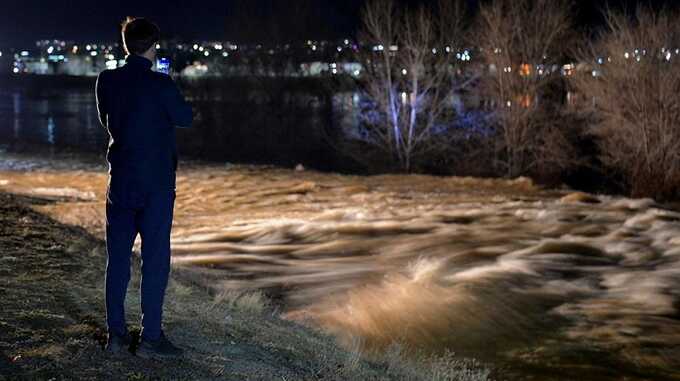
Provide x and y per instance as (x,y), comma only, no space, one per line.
(51,323)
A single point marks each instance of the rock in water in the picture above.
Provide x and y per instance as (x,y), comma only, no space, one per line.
(580,197)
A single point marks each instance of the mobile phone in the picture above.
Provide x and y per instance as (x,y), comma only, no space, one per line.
(163,65)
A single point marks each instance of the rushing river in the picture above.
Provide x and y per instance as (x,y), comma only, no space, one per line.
(545,284)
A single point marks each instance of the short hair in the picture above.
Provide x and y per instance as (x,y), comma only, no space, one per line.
(139,35)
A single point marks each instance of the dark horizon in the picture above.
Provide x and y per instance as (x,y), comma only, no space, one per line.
(23,23)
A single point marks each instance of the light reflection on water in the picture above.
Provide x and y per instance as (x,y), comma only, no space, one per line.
(67,118)
(16,102)
(64,120)
(580,286)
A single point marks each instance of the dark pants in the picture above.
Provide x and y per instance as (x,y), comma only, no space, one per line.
(129,213)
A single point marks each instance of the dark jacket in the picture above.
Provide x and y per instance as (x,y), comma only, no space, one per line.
(141,108)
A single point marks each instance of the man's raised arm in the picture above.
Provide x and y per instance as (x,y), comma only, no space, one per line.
(178,109)
(101,100)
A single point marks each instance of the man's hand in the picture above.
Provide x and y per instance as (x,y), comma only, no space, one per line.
(198,117)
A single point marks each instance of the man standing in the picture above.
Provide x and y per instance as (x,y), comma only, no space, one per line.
(140,108)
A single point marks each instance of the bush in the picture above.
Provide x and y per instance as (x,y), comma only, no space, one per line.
(630,89)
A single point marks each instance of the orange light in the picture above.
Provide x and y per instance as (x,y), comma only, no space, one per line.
(525,101)
(525,70)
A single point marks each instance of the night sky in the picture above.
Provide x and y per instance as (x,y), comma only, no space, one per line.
(24,21)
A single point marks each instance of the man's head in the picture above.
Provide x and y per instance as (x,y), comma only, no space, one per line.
(140,37)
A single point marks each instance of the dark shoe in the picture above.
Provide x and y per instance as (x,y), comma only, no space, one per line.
(158,349)
(117,344)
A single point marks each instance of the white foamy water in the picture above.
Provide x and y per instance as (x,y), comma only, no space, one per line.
(495,269)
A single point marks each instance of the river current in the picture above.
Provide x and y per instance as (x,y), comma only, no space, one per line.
(545,284)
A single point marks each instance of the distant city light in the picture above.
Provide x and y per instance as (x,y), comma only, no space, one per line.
(525,70)
(53,51)
(158,46)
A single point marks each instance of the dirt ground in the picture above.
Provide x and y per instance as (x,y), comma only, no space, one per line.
(51,321)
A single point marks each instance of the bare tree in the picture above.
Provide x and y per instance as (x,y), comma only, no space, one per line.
(409,62)
(522,43)
(632,87)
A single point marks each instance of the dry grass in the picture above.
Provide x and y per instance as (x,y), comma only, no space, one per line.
(245,302)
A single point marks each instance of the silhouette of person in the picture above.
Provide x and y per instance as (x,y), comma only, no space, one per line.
(140,109)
